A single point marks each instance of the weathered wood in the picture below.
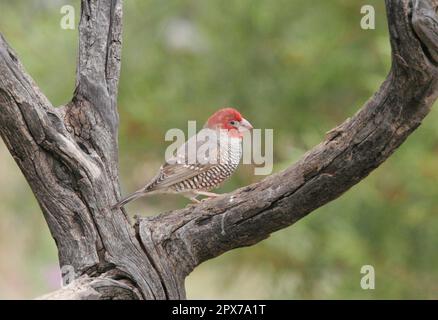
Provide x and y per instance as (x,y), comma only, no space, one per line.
(69,157)
(69,154)
(349,153)
(99,288)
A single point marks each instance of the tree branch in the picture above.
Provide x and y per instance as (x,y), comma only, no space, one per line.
(69,157)
(349,153)
(101,288)
(98,69)
(33,130)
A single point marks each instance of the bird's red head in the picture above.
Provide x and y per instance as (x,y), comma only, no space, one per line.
(229,119)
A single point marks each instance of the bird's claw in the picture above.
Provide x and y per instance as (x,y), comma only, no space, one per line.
(193,202)
(196,201)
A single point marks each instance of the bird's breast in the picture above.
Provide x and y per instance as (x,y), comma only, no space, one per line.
(229,156)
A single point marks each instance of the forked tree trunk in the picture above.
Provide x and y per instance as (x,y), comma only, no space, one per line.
(69,158)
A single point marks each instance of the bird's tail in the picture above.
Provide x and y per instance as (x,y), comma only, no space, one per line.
(131,197)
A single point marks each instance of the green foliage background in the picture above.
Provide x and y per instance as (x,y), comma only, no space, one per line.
(299,67)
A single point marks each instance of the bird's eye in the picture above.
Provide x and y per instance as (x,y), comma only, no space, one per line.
(233,123)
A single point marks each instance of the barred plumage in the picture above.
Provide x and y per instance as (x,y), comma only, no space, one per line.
(214,176)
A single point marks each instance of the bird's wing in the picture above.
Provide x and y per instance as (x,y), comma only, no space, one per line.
(198,154)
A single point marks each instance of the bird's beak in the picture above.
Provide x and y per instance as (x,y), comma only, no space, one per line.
(245,125)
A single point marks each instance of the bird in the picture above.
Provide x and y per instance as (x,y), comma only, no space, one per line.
(190,172)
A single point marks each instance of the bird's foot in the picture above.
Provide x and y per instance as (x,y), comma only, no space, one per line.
(208,194)
(194,200)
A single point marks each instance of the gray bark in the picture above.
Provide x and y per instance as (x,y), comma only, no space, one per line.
(69,158)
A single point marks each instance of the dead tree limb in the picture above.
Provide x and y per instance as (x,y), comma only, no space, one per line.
(69,157)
